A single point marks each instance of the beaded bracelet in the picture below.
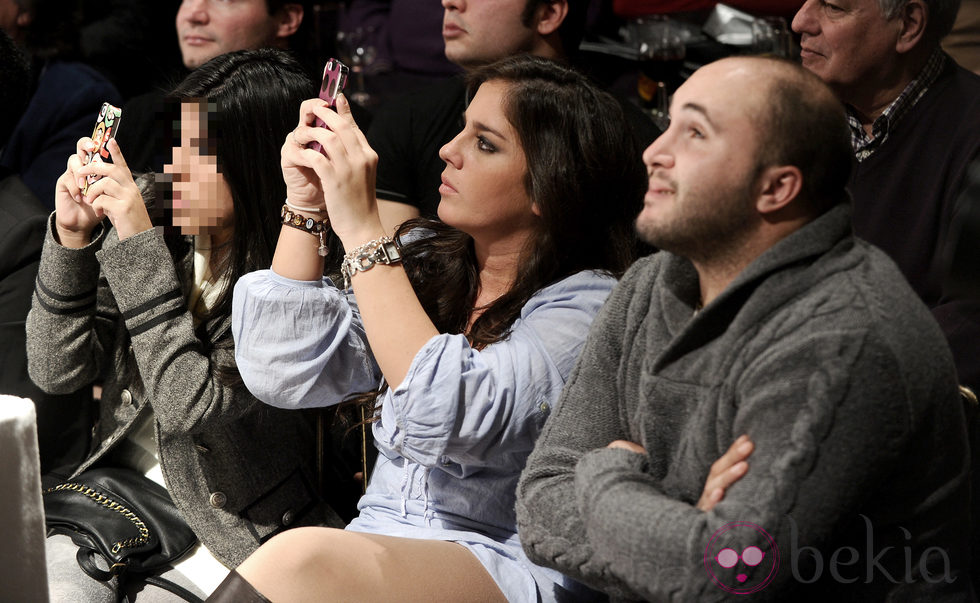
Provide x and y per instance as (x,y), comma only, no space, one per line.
(317,228)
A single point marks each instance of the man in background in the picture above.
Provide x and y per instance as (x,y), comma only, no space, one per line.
(65,93)
(914,118)
(205,29)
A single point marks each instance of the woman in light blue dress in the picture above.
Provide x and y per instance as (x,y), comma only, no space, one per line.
(473,323)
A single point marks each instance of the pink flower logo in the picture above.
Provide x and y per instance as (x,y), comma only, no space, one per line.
(737,561)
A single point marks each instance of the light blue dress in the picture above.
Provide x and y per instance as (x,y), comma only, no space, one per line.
(455,434)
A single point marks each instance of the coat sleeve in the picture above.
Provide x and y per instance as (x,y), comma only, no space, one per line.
(67,346)
(71,339)
(182,379)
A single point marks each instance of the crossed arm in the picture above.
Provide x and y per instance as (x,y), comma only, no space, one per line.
(602,515)
(727,470)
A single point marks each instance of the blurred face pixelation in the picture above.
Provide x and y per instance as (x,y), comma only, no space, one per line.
(481,31)
(483,184)
(208,28)
(703,169)
(202,202)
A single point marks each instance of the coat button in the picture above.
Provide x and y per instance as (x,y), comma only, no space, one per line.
(126,397)
(217,500)
(288,517)
(544,407)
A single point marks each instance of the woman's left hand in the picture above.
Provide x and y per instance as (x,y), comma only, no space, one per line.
(116,195)
(347,175)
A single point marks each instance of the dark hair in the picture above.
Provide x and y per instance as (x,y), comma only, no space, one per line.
(806,126)
(256,95)
(273,6)
(303,43)
(585,180)
(572,29)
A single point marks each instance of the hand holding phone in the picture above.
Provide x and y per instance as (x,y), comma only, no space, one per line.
(334,79)
(105,130)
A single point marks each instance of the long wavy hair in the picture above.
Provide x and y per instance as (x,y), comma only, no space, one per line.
(587,184)
(586,178)
(252,98)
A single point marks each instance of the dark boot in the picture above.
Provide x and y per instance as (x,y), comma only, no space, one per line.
(235,589)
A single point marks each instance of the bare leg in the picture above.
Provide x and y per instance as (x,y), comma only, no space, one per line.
(326,564)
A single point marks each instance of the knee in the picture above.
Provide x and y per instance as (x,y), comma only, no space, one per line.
(300,564)
(292,553)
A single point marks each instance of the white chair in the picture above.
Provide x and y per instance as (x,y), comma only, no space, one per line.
(23,573)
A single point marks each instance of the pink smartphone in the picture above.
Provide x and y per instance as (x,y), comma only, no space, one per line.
(334,79)
(105,130)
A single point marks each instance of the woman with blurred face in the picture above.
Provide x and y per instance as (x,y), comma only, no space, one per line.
(147,316)
(471,326)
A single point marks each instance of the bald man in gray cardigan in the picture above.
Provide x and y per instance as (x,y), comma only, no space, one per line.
(763,317)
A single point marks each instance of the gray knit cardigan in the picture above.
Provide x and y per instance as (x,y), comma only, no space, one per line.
(824,356)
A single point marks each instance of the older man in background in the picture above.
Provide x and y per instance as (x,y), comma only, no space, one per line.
(914,116)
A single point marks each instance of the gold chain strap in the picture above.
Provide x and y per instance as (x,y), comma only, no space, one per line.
(112,505)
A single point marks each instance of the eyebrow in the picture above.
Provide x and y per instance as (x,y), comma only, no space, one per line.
(485,128)
(700,109)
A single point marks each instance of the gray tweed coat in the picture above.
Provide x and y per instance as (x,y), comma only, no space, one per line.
(114,312)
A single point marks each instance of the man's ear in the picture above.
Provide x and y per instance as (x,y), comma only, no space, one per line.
(914,16)
(550,15)
(289,18)
(780,185)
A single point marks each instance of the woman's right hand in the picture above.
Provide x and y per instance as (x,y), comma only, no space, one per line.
(74,219)
(303,186)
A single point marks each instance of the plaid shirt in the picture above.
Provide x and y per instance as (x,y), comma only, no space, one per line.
(864,145)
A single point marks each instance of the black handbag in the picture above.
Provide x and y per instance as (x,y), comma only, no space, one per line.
(123,517)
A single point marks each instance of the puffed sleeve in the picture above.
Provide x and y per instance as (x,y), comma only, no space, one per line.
(299,344)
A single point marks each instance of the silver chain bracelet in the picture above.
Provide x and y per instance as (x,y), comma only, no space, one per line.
(360,259)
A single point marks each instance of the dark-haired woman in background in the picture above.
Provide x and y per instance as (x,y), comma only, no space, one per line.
(474,331)
(148,316)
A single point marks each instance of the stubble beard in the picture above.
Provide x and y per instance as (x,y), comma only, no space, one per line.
(711,227)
